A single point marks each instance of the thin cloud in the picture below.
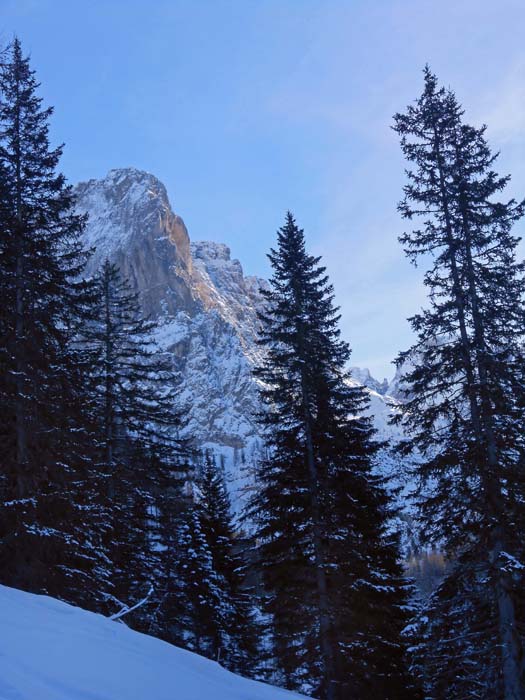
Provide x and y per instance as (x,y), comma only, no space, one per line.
(503,108)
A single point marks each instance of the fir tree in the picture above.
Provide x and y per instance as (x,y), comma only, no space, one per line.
(236,647)
(204,610)
(133,411)
(50,520)
(332,582)
(465,398)
(171,503)
(203,606)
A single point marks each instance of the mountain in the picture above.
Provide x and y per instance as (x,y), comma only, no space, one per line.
(53,651)
(206,308)
(363,376)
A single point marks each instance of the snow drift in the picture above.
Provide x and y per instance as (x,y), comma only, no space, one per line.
(53,651)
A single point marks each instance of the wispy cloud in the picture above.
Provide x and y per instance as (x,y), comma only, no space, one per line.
(502,107)
(246,109)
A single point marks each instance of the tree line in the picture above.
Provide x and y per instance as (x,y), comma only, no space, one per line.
(103,505)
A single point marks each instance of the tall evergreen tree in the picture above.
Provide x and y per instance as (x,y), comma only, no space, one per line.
(205,611)
(465,398)
(134,416)
(236,646)
(170,512)
(49,520)
(333,585)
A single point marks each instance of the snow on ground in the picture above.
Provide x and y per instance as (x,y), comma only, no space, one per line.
(53,651)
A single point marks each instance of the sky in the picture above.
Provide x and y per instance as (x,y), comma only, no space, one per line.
(248,108)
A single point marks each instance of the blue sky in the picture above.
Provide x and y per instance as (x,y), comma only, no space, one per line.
(246,108)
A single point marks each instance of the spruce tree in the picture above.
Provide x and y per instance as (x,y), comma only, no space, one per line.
(204,611)
(465,398)
(204,607)
(237,645)
(171,503)
(50,520)
(333,584)
(133,412)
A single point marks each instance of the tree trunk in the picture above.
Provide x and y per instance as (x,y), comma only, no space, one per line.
(483,429)
(20,349)
(322,590)
(108,412)
(511,646)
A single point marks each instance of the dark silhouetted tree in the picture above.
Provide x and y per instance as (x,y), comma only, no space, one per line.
(465,387)
(133,389)
(50,520)
(333,584)
(236,645)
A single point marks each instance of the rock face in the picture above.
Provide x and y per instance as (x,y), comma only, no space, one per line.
(206,308)
(131,223)
(364,377)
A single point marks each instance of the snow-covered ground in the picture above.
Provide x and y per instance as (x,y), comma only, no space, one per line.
(53,651)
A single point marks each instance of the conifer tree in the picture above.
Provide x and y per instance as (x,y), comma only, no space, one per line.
(333,585)
(133,411)
(237,645)
(204,611)
(203,606)
(171,503)
(50,520)
(465,398)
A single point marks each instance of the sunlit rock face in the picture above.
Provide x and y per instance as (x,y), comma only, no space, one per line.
(206,308)
(131,223)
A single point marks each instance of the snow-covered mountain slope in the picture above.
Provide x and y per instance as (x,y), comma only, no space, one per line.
(53,651)
(206,306)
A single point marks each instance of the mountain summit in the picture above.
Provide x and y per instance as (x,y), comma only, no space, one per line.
(205,305)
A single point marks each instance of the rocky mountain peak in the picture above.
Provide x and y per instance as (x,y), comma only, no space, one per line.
(209,250)
(131,223)
(206,307)
(221,285)
(363,376)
